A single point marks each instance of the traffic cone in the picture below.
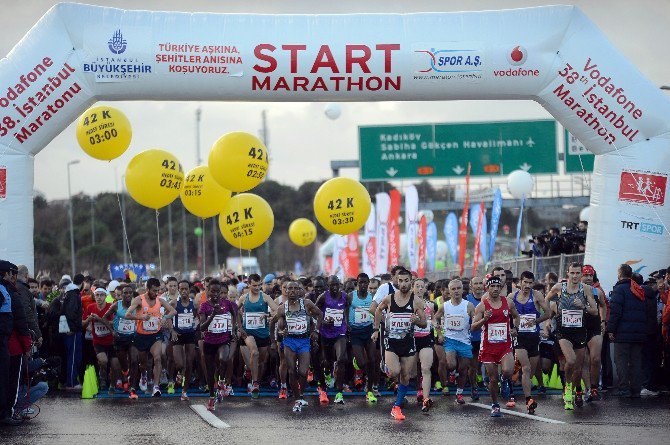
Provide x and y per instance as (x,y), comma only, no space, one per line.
(533,380)
(554,380)
(356,368)
(90,386)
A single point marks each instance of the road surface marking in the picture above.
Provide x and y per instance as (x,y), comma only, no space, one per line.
(208,417)
(516,413)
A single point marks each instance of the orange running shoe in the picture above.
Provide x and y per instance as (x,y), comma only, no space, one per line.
(396,413)
(531,404)
(283,393)
(323,396)
(133,394)
(210,405)
(511,403)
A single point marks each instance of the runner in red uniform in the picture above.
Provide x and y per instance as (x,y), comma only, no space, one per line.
(493,315)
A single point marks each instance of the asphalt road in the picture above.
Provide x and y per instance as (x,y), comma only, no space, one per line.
(68,420)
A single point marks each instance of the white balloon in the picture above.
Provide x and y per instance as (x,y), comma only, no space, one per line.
(428,214)
(520,183)
(441,250)
(333,111)
(584,214)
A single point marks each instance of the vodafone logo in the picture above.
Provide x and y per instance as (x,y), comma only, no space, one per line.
(517,56)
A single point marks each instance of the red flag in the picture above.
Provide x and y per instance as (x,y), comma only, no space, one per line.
(371,250)
(463,229)
(328,265)
(478,238)
(349,257)
(422,247)
(394,228)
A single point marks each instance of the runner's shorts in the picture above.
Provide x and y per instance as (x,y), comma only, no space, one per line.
(144,342)
(426,341)
(528,341)
(461,349)
(261,342)
(187,338)
(123,342)
(404,347)
(107,349)
(575,336)
(297,344)
(213,348)
(361,337)
(494,352)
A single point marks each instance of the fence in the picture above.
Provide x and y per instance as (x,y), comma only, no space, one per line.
(538,265)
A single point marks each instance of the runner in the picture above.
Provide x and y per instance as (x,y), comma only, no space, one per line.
(457,314)
(254,309)
(295,323)
(573,297)
(362,346)
(148,335)
(103,341)
(183,337)
(532,310)
(278,342)
(124,332)
(595,327)
(492,316)
(475,297)
(404,311)
(217,322)
(167,376)
(334,304)
(441,384)
(424,341)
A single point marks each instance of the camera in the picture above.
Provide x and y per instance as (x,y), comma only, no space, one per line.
(44,370)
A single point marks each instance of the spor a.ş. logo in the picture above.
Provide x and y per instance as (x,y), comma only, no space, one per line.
(517,56)
(117,44)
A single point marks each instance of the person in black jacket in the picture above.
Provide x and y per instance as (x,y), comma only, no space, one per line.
(72,310)
(28,301)
(627,328)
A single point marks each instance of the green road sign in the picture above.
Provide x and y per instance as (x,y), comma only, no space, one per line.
(577,157)
(444,150)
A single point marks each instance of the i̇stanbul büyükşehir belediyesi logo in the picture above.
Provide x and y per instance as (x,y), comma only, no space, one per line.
(117,44)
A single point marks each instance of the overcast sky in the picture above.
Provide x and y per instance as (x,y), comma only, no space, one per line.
(300,135)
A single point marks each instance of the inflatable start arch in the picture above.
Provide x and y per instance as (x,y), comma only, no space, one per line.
(79,54)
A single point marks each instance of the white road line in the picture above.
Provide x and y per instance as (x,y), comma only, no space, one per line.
(516,413)
(208,417)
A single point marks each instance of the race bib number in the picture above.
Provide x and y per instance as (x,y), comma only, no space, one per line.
(150,325)
(101,330)
(454,323)
(220,324)
(399,325)
(362,315)
(254,320)
(126,326)
(527,323)
(497,332)
(336,314)
(185,321)
(572,318)
(296,325)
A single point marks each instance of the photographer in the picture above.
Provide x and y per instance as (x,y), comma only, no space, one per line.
(38,370)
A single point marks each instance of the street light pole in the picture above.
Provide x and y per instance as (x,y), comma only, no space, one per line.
(69,198)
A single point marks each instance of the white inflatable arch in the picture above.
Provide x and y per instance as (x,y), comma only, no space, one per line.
(76,55)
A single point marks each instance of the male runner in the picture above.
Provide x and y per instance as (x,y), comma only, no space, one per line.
(404,312)
(532,310)
(170,295)
(362,346)
(424,341)
(492,315)
(184,337)
(102,335)
(278,341)
(595,327)
(295,323)
(334,304)
(441,383)
(124,332)
(475,297)
(146,310)
(254,309)
(572,297)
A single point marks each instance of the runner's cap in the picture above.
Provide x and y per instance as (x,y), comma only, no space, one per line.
(493,280)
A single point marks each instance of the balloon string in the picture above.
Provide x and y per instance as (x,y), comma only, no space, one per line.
(204,256)
(123,224)
(158,236)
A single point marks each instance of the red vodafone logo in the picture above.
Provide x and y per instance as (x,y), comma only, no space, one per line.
(517,56)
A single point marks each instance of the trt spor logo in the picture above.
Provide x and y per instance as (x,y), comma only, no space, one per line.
(452,60)
(117,44)
(517,56)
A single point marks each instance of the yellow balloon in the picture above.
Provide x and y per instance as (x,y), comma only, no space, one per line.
(202,195)
(238,161)
(247,221)
(342,205)
(154,178)
(302,232)
(104,132)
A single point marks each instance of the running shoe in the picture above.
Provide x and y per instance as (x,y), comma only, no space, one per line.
(283,393)
(594,394)
(358,380)
(504,389)
(303,402)
(419,396)
(579,399)
(568,398)
(297,407)
(255,390)
(438,386)
(249,387)
(273,383)
(460,399)
(370,397)
(170,388)
(184,397)
(426,405)
(330,381)
(495,410)
(157,391)
(375,391)
(119,385)
(164,377)
(339,398)
(126,386)
(323,397)
(396,413)
(229,391)
(132,395)
(452,379)
(310,376)
(511,403)
(474,395)
(346,388)
(179,380)
(143,382)
(587,397)
(445,391)
(531,404)
(211,404)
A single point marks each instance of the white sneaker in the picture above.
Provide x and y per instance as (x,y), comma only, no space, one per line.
(143,382)
(297,407)
(648,393)
(302,402)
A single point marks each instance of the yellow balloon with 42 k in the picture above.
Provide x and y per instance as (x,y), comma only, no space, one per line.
(247,221)
(154,178)
(238,161)
(342,205)
(104,132)
(302,232)
(202,195)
